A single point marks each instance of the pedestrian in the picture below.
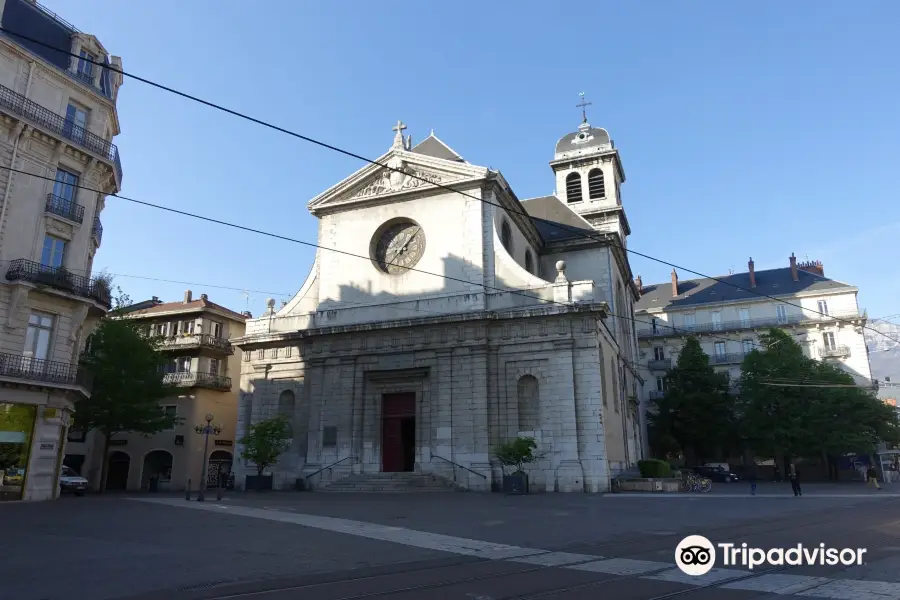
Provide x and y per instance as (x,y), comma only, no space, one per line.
(872,477)
(750,475)
(795,481)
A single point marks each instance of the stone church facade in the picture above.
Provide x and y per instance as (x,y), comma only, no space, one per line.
(437,323)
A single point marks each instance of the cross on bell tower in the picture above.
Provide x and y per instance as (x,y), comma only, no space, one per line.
(583,106)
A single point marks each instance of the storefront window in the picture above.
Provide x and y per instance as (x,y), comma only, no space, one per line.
(16,425)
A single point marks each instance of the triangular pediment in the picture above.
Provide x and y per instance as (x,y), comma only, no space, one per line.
(397,173)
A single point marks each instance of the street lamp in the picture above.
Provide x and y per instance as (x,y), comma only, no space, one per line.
(205,430)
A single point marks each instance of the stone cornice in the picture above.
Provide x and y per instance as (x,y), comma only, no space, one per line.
(252,341)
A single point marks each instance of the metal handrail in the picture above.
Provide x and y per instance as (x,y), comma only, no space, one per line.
(65,207)
(329,466)
(482,475)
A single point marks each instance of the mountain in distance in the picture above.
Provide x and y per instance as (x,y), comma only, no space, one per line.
(884,354)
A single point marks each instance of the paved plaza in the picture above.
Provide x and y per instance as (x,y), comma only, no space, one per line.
(465,546)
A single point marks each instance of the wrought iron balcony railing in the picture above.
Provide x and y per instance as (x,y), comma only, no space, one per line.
(43,371)
(61,279)
(196,340)
(97,230)
(67,209)
(662,329)
(205,380)
(44,117)
(659,364)
(834,352)
(728,358)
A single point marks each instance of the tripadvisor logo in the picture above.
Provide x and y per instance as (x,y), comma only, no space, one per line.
(696,555)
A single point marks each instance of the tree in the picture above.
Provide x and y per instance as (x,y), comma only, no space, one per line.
(517,453)
(266,441)
(793,404)
(696,413)
(127,386)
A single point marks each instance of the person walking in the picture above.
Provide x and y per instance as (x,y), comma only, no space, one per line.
(751,477)
(872,477)
(795,481)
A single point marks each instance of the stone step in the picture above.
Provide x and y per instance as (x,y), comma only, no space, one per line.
(391,483)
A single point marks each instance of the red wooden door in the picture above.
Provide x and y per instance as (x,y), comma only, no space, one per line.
(394,408)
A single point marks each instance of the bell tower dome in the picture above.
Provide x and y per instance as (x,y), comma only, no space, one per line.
(589,177)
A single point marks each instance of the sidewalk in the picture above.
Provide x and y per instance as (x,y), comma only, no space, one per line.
(768,489)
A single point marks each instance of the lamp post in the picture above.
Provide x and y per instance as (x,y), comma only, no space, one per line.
(205,430)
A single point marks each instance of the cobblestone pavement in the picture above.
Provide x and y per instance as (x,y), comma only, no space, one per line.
(463,546)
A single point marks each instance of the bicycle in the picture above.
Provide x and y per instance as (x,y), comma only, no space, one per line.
(693,483)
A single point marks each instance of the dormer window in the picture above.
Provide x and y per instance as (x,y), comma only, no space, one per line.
(86,66)
(573,187)
(596,184)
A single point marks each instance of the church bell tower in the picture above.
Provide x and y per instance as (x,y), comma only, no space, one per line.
(589,177)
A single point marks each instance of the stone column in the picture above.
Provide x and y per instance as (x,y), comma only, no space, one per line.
(314,390)
(480,418)
(588,406)
(569,474)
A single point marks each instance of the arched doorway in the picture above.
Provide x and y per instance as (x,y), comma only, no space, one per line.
(219,467)
(157,472)
(117,472)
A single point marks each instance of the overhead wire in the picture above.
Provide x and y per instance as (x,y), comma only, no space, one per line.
(576,231)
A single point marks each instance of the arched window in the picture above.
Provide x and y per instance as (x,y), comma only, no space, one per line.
(596,185)
(529,404)
(506,236)
(573,187)
(529,262)
(286,404)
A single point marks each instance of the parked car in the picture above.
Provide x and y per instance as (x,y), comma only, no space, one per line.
(70,481)
(716,474)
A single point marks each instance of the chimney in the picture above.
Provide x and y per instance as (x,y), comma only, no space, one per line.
(187,296)
(752,273)
(155,300)
(674,283)
(639,284)
(794,274)
(813,266)
(247,314)
(204,297)
(283,303)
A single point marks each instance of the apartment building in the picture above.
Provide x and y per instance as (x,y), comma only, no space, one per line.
(821,313)
(57,121)
(203,371)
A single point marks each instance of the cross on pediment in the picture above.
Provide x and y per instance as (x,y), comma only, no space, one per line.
(399,127)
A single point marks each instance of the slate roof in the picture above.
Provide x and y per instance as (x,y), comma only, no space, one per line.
(546,211)
(165,307)
(601,138)
(771,282)
(432,146)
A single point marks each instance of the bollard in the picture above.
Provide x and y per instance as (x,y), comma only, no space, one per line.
(219,486)
(187,490)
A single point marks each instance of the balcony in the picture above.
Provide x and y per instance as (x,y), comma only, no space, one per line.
(656,395)
(59,278)
(97,231)
(659,364)
(727,359)
(834,352)
(665,330)
(46,372)
(203,380)
(67,209)
(194,341)
(57,124)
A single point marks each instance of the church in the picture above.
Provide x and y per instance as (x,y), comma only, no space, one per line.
(443,316)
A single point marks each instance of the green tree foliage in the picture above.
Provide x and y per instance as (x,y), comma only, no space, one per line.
(516,453)
(696,414)
(126,369)
(792,404)
(266,441)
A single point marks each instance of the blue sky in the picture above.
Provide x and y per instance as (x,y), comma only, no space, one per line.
(745,129)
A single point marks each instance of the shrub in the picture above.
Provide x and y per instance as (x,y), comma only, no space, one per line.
(653,467)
